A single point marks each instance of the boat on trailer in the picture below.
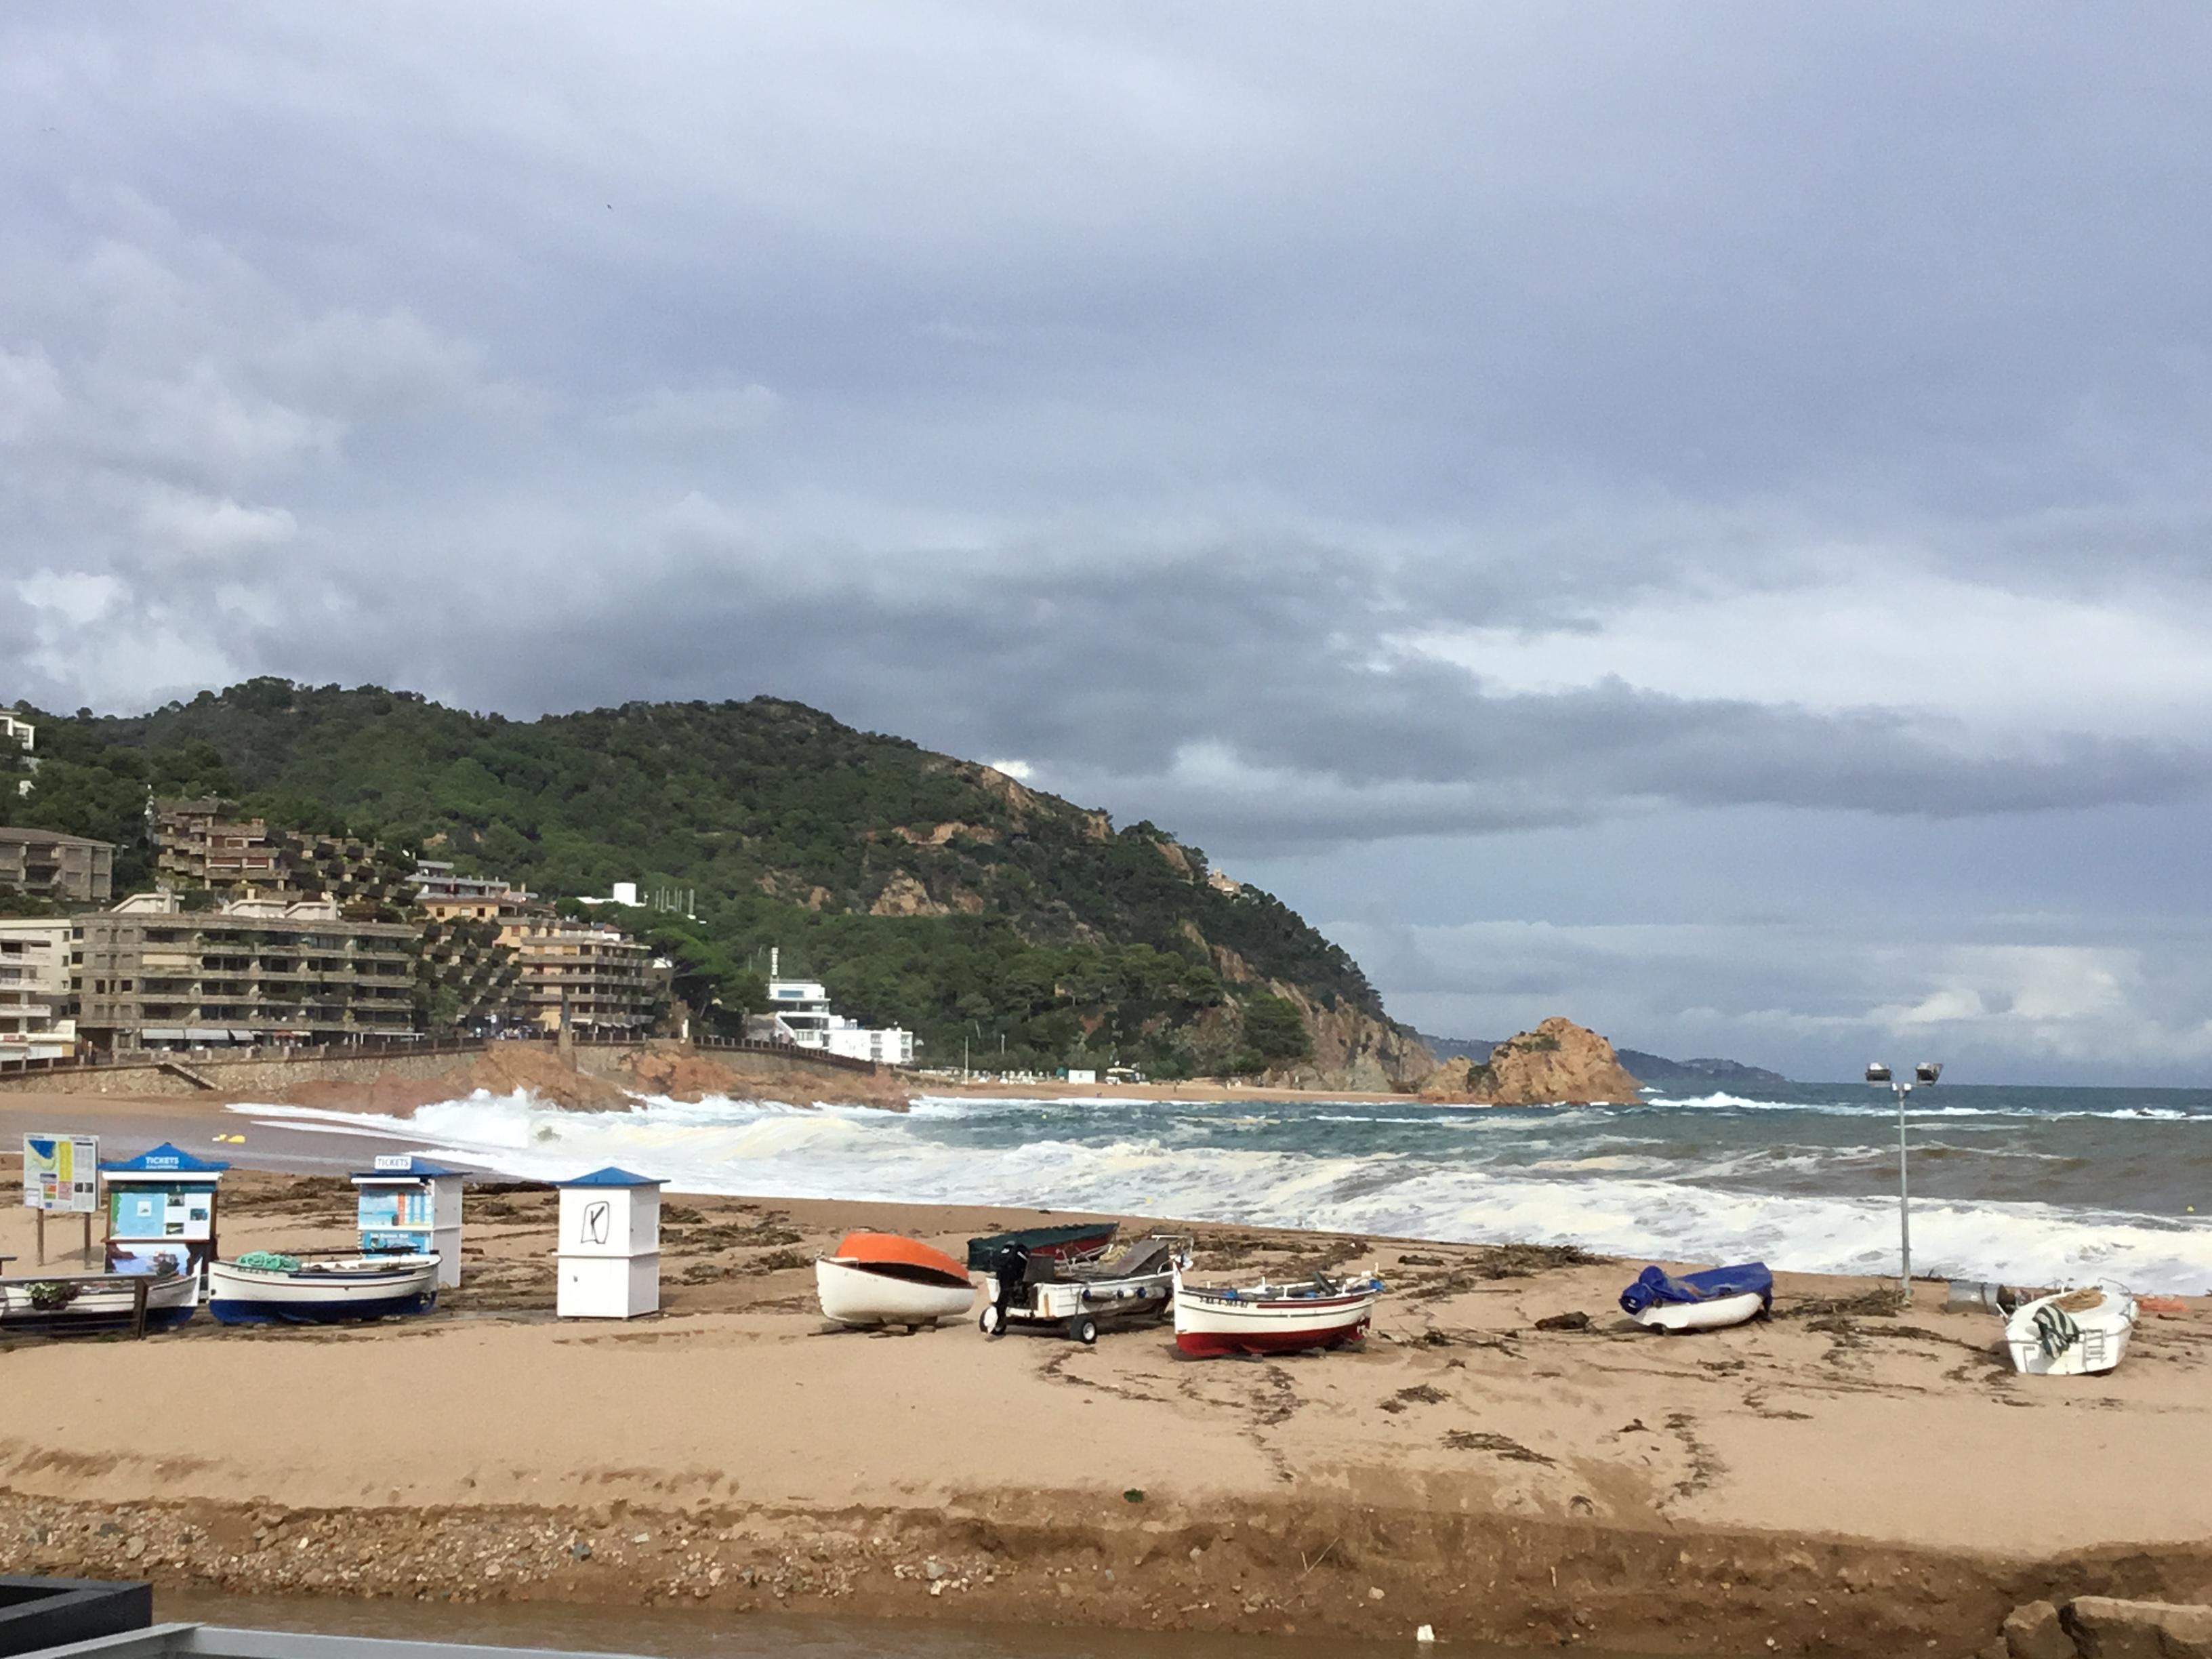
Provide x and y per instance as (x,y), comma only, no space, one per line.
(1707,1301)
(95,1304)
(2073,1333)
(1323,1313)
(264,1289)
(1074,1242)
(882,1279)
(1136,1282)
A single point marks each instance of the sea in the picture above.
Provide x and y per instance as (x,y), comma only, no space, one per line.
(2023,1185)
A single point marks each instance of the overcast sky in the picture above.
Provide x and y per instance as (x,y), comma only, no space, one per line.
(1690,517)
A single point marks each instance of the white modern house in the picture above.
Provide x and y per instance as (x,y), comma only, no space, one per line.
(800,1012)
(19,732)
(34,988)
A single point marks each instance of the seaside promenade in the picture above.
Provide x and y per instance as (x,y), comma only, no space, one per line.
(1841,1478)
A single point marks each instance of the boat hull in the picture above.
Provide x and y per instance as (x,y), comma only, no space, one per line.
(99,1309)
(861,1294)
(1718,1313)
(1209,1324)
(2099,1340)
(341,1293)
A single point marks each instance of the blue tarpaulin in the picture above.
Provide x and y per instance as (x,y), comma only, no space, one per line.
(1653,1286)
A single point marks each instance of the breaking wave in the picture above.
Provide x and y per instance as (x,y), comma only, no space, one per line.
(1302,1167)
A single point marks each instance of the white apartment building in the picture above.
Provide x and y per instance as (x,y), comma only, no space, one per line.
(20,732)
(34,988)
(801,1011)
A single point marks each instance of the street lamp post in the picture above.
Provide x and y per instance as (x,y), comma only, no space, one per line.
(1924,1075)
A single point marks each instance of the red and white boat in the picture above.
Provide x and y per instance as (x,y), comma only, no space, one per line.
(1323,1313)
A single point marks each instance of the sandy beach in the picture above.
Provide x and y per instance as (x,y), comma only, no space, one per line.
(1843,1477)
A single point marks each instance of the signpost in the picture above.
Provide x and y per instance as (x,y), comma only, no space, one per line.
(61,1172)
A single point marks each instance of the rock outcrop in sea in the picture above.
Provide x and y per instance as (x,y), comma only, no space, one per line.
(1559,1061)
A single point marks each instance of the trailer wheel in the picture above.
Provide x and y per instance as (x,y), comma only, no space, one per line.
(991,1321)
(1084,1329)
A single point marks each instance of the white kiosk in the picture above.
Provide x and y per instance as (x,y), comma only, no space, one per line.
(411,1206)
(609,1258)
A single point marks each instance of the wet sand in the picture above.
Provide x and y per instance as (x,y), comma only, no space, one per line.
(1843,1477)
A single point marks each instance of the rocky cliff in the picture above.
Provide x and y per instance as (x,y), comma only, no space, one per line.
(1559,1061)
(1352,1049)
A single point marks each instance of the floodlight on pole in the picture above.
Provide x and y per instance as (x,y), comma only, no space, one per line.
(1924,1076)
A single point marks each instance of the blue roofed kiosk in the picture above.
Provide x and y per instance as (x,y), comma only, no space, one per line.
(609,1256)
(408,1205)
(161,1206)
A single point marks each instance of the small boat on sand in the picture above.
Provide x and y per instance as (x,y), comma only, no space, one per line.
(264,1288)
(2072,1334)
(1323,1313)
(1136,1282)
(881,1279)
(1707,1301)
(92,1304)
(1082,1241)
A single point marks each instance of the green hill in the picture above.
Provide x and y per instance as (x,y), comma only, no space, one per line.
(924,889)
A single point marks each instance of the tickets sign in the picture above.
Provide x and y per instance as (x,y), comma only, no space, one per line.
(61,1172)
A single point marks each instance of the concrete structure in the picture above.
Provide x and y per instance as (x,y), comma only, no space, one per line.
(607,981)
(800,1013)
(445,896)
(154,975)
(35,1004)
(197,843)
(409,1206)
(45,862)
(16,732)
(204,843)
(609,1257)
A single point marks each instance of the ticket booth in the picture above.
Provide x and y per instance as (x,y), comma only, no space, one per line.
(609,1258)
(409,1206)
(162,1213)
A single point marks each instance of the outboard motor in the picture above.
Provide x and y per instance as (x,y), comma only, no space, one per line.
(1010,1268)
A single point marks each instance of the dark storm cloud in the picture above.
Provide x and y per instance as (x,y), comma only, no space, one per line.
(1308,429)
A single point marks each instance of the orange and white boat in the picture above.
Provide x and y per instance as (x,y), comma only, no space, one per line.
(881,1279)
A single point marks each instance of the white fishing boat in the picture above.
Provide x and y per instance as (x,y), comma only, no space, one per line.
(1323,1313)
(2072,1334)
(1708,1301)
(1716,1315)
(881,1279)
(89,1303)
(284,1289)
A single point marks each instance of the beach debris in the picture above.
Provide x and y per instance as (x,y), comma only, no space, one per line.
(1134,1495)
(1500,1445)
(2032,1631)
(1426,1633)
(1868,1304)
(1375,1592)
(1576,1321)
(580,1550)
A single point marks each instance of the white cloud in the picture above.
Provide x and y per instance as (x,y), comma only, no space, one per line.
(205,525)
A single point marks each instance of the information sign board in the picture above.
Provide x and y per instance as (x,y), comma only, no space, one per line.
(62,1173)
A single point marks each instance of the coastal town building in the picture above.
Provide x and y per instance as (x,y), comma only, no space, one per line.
(798,1012)
(596,979)
(34,988)
(444,896)
(209,843)
(18,747)
(50,864)
(152,974)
